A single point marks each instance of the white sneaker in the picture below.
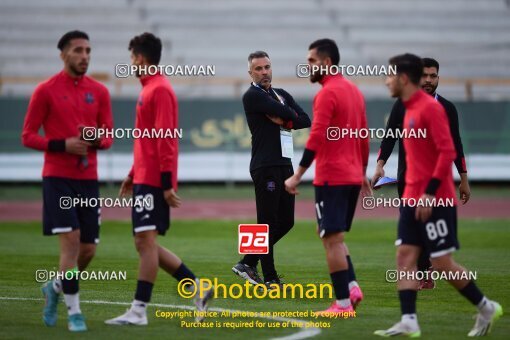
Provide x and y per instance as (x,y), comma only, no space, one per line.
(400,328)
(129,318)
(202,304)
(482,325)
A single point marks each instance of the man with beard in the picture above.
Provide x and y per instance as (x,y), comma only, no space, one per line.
(271,114)
(428,228)
(340,169)
(429,83)
(63,105)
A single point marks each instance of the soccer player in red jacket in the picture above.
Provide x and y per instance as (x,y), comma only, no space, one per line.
(339,171)
(423,226)
(154,176)
(62,105)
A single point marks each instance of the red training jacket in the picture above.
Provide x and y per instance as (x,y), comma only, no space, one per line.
(61,105)
(339,104)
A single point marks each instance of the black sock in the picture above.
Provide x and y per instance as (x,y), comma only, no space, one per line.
(407,301)
(143,291)
(352,275)
(340,281)
(424,261)
(71,286)
(472,293)
(183,272)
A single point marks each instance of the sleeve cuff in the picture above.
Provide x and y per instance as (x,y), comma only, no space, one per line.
(166,180)
(57,145)
(307,160)
(433,186)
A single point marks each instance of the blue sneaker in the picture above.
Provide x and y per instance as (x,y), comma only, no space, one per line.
(50,307)
(76,323)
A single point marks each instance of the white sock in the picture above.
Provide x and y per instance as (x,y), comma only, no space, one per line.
(353,284)
(410,320)
(344,303)
(72,303)
(486,308)
(57,286)
(139,307)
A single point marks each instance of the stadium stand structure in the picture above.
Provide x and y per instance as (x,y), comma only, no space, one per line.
(471,39)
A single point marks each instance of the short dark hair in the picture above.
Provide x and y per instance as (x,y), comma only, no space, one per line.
(328,48)
(148,45)
(408,64)
(430,62)
(257,54)
(66,38)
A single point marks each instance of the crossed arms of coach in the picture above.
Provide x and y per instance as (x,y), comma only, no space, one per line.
(258,102)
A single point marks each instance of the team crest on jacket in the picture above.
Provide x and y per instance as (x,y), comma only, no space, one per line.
(89,98)
(411,123)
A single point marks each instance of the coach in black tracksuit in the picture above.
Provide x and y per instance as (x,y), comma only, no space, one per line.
(269,111)
(430,81)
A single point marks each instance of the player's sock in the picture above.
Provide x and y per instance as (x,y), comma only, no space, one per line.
(139,307)
(340,280)
(71,295)
(183,272)
(72,303)
(411,320)
(353,284)
(344,303)
(472,293)
(352,275)
(142,296)
(486,308)
(57,286)
(423,262)
(407,301)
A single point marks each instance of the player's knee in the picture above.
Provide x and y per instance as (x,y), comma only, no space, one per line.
(144,242)
(405,257)
(333,240)
(71,241)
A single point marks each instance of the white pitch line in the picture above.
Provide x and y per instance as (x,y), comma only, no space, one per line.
(303,333)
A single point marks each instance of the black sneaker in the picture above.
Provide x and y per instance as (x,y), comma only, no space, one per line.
(248,273)
(279,284)
(274,284)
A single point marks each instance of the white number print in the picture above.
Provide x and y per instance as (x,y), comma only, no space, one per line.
(436,229)
(318,207)
(144,203)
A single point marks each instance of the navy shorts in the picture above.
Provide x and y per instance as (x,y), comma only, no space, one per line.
(335,207)
(60,216)
(155,216)
(437,236)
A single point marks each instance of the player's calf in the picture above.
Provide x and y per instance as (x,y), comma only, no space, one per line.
(87,253)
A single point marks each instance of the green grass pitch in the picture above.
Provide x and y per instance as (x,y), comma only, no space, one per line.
(210,249)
